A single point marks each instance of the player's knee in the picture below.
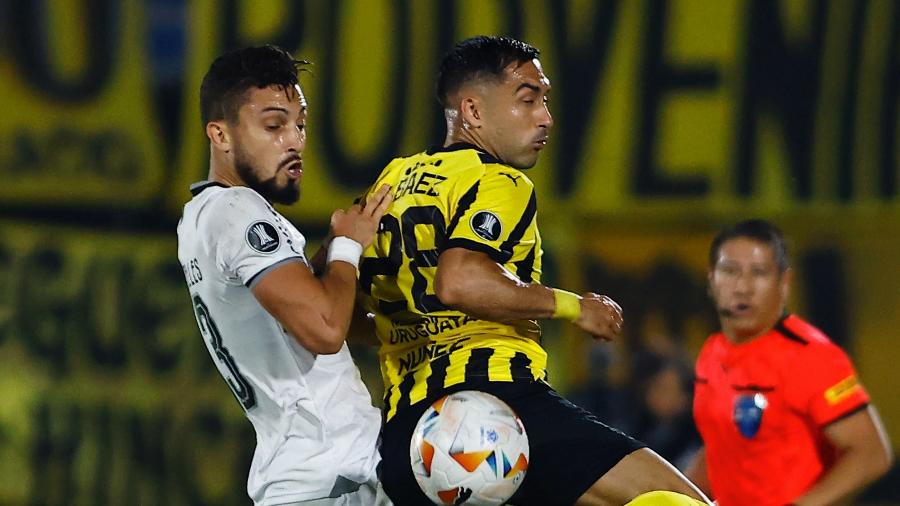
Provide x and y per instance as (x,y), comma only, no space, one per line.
(664,498)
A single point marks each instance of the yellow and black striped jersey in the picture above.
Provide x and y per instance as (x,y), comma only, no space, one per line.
(448,198)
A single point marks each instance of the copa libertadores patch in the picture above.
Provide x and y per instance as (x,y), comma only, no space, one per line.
(486,225)
(263,237)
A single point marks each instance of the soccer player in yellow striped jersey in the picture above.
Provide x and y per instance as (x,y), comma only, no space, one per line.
(458,197)
(454,280)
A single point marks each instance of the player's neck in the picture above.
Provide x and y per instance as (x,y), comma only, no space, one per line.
(224,176)
(467,136)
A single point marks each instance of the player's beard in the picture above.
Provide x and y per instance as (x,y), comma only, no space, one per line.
(268,188)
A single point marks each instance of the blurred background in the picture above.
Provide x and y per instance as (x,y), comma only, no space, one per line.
(673,118)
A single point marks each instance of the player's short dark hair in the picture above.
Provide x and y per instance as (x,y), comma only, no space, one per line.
(478,58)
(758,230)
(229,77)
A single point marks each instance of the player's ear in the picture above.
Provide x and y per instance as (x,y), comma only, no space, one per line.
(470,110)
(219,136)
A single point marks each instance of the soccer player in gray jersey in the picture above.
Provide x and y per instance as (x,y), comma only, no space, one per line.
(274,321)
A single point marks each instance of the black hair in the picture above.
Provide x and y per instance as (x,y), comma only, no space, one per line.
(477,58)
(758,230)
(230,76)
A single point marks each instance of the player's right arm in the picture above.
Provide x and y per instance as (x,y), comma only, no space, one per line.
(317,310)
(471,282)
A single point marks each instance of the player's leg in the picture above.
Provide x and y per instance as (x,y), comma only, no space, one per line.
(638,473)
(576,459)
(570,448)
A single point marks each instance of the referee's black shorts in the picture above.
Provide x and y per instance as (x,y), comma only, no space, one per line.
(570,448)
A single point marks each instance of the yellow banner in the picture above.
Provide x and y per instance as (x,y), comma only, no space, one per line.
(682,107)
(78,124)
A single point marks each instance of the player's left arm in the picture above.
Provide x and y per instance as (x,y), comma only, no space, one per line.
(865,455)
(362,323)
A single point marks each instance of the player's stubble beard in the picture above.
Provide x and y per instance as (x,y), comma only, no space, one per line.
(519,157)
(268,188)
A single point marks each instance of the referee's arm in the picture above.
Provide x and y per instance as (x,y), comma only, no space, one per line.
(864,455)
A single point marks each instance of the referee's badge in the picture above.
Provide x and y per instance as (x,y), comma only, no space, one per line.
(486,225)
(748,413)
(262,237)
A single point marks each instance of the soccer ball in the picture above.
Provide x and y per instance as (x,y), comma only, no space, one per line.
(469,448)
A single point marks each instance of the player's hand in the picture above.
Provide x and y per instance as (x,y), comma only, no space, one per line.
(600,316)
(360,223)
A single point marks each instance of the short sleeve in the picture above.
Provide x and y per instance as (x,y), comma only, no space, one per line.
(493,215)
(829,386)
(247,236)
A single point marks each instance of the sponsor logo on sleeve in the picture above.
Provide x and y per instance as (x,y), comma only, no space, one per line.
(263,237)
(486,225)
(842,390)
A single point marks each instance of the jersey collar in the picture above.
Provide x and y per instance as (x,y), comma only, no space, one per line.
(459,146)
(199,186)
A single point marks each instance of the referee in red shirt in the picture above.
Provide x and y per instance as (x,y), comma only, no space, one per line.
(783,416)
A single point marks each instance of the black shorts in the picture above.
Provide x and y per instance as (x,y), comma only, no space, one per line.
(570,448)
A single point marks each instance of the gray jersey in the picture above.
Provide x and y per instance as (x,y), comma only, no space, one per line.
(316,428)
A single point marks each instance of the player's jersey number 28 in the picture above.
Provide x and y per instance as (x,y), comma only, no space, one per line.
(404,244)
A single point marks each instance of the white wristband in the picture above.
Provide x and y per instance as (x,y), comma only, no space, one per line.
(344,249)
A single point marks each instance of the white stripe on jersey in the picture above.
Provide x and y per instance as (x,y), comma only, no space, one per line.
(313,416)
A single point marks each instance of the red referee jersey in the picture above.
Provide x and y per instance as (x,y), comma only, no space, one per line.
(761,408)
